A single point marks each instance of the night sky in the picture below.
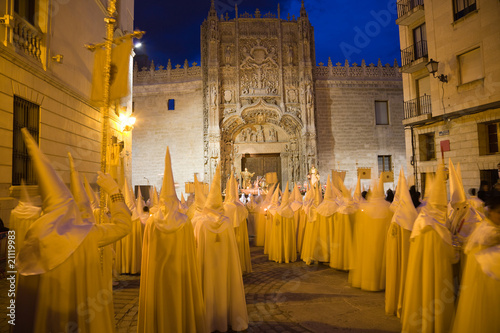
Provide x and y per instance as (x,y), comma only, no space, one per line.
(343,29)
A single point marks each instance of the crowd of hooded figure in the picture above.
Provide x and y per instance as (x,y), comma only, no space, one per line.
(437,260)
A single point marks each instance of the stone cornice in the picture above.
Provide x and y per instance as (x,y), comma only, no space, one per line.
(37,70)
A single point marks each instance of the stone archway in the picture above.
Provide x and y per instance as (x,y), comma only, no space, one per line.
(262,128)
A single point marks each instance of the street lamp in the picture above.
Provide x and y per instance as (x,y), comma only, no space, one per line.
(432,67)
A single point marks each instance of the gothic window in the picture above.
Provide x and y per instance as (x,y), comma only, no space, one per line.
(26,114)
(381,113)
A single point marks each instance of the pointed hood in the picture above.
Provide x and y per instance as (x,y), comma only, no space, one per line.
(284,209)
(183,207)
(434,213)
(214,199)
(229,189)
(406,213)
(457,193)
(329,191)
(79,193)
(274,200)
(199,197)
(128,195)
(269,195)
(296,201)
(168,218)
(318,196)
(329,205)
(156,199)
(438,195)
(168,194)
(357,197)
(94,200)
(234,209)
(395,202)
(59,232)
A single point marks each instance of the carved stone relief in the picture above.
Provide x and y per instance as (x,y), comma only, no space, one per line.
(259,73)
(258,133)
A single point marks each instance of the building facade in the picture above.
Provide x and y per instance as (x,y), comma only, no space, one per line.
(259,101)
(455,112)
(45,85)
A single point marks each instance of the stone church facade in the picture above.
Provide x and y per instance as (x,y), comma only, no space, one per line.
(259,101)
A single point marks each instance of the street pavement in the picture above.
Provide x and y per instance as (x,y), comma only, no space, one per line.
(287,298)
(280,298)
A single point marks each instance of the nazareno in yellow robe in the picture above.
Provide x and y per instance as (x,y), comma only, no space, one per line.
(221,277)
(283,246)
(72,295)
(429,295)
(369,267)
(479,300)
(170,297)
(341,242)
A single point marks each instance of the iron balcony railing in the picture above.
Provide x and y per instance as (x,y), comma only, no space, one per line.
(414,52)
(418,106)
(404,6)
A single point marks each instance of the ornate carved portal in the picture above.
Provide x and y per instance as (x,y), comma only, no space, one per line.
(258,92)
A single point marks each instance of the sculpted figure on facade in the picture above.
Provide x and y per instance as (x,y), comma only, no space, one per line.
(228,55)
(290,55)
(260,134)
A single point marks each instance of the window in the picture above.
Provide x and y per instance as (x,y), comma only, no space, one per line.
(26,114)
(381,113)
(384,163)
(427,147)
(493,138)
(471,66)
(171,104)
(463,7)
(420,41)
(25,9)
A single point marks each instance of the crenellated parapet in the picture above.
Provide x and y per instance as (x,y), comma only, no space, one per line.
(167,74)
(357,72)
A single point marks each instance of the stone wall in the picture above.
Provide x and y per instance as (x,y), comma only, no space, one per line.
(345,119)
(157,127)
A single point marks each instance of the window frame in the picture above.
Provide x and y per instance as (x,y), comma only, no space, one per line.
(425,139)
(386,109)
(384,163)
(22,166)
(470,8)
(171,104)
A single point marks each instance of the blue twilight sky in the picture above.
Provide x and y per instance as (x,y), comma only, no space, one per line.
(343,29)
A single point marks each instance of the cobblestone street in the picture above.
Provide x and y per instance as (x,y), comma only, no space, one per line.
(280,298)
(287,298)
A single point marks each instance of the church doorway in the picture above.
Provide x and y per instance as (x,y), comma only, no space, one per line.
(260,164)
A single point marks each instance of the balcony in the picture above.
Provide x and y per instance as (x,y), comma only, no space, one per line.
(27,39)
(409,11)
(417,110)
(414,57)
